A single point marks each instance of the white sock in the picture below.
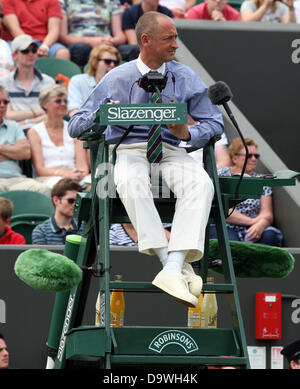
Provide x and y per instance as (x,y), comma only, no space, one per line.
(162,253)
(174,262)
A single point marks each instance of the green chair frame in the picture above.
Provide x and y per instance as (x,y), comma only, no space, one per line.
(108,347)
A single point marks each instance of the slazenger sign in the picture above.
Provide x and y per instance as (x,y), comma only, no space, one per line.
(143,113)
(169,337)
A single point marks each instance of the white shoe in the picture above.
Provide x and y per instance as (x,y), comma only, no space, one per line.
(176,286)
(194,282)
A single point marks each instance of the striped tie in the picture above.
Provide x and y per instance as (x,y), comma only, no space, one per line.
(154,146)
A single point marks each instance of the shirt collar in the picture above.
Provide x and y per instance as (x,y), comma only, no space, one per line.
(3,123)
(57,229)
(143,68)
(35,70)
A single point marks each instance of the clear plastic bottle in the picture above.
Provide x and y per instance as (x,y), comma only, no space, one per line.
(98,305)
(100,310)
(117,306)
(194,314)
(209,309)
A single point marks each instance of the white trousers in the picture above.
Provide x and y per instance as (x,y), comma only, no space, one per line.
(187,180)
(23,183)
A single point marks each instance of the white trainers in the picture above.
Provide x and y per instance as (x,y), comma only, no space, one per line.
(194,282)
(176,286)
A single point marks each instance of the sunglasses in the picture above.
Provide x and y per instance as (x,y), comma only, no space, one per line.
(109,61)
(61,101)
(30,50)
(70,201)
(5,102)
(250,155)
(1,15)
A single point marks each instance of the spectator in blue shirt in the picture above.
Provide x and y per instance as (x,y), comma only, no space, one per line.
(62,223)
(14,147)
(132,14)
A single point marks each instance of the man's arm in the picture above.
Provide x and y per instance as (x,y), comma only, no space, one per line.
(119,37)
(54,25)
(34,115)
(189,4)
(12,24)
(38,235)
(131,37)
(181,131)
(208,118)
(20,150)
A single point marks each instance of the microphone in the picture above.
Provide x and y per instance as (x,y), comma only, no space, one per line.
(220,94)
(44,270)
(253,260)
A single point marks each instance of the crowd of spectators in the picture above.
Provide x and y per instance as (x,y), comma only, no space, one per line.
(97,36)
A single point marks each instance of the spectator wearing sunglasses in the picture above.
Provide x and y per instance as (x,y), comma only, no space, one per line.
(55,154)
(24,84)
(252,219)
(102,59)
(62,223)
(40,19)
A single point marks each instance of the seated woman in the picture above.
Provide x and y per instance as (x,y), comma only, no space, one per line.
(54,153)
(251,220)
(102,59)
(268,11)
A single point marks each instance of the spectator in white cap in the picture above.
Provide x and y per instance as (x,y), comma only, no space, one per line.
(24,84)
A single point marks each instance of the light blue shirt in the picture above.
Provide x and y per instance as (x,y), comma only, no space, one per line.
(10,133)
(80,87)
(183,86)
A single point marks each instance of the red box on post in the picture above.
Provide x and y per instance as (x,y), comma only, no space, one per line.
(268,315)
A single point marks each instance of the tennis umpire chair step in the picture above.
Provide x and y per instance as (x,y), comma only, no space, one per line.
(148,287)
(156,346)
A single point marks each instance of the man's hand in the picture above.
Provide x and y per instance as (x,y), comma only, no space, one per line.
(217,15)
(95,41)
(181,131)
(43,51)
(114,102)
